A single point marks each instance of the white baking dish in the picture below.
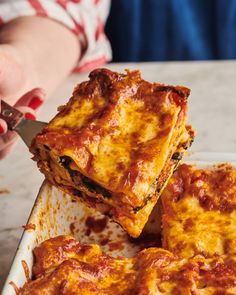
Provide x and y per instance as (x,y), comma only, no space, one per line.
(54,213)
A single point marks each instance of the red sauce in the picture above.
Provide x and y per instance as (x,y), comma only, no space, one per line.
(149,267)
(188,224)
(72,228)
(178,247)
(116,246)
(88,232)
(165,120)
(221,292)
(96,225)
(26,270)
(29,226)
(104,241)
(120,166)
(111,85)
(179,99)
(135,136)
(214,189)
(4,191)
(164,132)
(177,188)
(227,245)
(16,289)
(222,274)
(147,240)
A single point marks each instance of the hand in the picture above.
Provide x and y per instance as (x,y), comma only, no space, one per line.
(15,81)
(29,58)
(28,104)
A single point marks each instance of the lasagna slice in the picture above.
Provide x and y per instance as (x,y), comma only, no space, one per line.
(64,266)
(199,211)
(115,144)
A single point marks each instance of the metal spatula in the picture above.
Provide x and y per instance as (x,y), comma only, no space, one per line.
(27,129)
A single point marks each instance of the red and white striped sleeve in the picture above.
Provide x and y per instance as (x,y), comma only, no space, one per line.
(86,18)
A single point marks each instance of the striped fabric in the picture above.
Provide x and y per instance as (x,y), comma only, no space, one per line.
(86,18)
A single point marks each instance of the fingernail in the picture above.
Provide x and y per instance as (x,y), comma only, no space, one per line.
(35,103)
(30,116)
(2,130)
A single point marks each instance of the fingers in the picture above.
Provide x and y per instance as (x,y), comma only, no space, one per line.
(28,104)
(12,74)
(3,127)
(33,99)
(28,112)
(3,124)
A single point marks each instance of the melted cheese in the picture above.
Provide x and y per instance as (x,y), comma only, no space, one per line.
(120,133)
(199,211)
(63,266)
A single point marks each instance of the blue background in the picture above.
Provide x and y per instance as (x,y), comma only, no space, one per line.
(160,30)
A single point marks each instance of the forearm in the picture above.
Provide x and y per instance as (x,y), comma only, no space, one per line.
(46,49)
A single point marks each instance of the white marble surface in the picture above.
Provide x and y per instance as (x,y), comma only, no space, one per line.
(212,112)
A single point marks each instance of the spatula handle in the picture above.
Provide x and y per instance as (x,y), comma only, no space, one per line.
(10,115)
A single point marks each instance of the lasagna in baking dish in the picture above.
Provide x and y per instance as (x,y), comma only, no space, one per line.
(199,211)
(64,266)
(198,255)
(115,144)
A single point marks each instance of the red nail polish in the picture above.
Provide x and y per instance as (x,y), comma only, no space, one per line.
(35,103)
(1,130)
(30,116)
